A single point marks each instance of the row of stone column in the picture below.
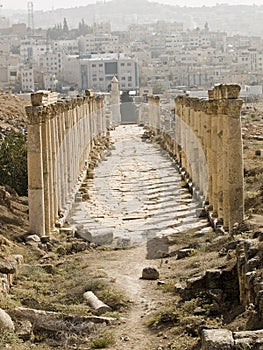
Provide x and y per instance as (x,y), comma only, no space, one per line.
(60,138)
(207,143)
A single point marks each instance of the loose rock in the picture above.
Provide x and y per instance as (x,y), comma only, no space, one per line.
(6,321)
(150,273)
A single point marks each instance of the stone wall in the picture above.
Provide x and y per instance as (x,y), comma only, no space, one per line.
(205,138)
(61,134)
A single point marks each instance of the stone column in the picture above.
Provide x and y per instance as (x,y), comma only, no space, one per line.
(156,113)
(203,162)
(57,165)
(192,144)
(46,168)
(60,162)
(197,154)
(98,115)
(233,151)
(207,149)
(64,159)
(94,118)
(178,128)
(215,170)
(221,166)
(35,167)
(53,154)
(194,159)
(115,102)
(50,173)
(183,136)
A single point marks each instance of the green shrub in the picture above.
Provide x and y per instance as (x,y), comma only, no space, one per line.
(13,162)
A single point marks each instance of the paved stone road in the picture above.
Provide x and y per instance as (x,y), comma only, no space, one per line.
(135,196)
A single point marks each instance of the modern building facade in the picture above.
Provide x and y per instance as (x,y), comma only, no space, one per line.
(97,71)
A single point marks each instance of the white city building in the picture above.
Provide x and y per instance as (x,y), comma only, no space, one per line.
(98,43)
(27,79)
(97,71)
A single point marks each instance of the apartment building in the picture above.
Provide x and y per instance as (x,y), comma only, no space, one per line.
(96,71)
(27,79)
(98,43)
(32,47)
(51,62)
(70,47)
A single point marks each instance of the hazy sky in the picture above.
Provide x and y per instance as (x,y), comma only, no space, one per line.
(49,4)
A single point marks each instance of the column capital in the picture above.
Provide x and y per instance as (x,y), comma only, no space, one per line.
(211,107)
(233,107)
(224,91)
(37,115)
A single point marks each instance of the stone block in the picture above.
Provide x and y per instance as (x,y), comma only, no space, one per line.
(217,339)
(184,253)
(24,329)
(33,238)
(84,234)
(233,91)
(102,238)
(4,284)
(196,283)
(249,340)
(37,99)
(7,267)
(6,321)
(213,279)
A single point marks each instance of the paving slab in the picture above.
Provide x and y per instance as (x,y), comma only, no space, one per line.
(136,194)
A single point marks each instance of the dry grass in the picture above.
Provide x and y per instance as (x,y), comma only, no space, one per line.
(103,340)
(253,127)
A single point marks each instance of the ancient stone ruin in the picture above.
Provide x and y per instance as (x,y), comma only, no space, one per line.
(205,138)
(61,137)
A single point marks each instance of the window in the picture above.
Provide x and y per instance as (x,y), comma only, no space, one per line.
(93,65)
(129,78)
(111,68)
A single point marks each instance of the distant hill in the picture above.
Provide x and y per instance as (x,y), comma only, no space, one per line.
(242,19)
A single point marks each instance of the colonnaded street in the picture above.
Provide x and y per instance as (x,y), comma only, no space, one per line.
(136,196)
(135,200)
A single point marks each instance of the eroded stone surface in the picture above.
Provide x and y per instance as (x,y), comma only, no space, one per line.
(135,196)
(217,339)
(6,321)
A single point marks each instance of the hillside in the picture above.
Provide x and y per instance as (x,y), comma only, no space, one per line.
(12,114)
(122,13)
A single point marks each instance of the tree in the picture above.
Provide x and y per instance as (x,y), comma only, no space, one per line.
(13,162)
(158,88)
(65,26)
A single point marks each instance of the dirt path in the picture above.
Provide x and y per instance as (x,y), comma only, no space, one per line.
(132,333)
(125,267)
